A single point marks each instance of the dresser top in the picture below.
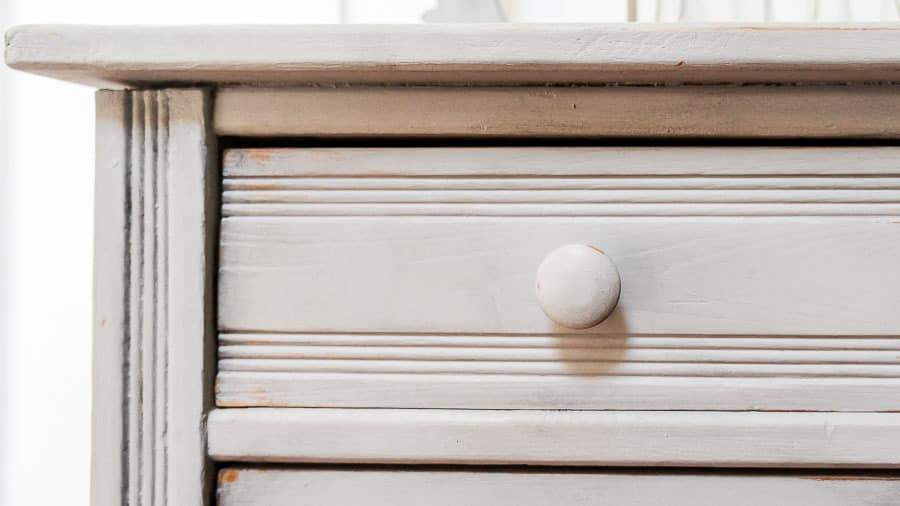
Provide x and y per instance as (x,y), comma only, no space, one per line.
(147,56)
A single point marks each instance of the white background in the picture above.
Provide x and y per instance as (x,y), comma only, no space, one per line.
(46,198)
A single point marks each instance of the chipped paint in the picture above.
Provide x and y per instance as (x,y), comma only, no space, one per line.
(229,475)
(263,155)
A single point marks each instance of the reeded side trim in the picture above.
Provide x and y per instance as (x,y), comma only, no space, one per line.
(153,297)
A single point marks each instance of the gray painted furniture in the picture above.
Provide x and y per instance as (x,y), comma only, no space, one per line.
(321,245)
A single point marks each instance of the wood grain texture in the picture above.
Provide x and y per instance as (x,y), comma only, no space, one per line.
(504,54)
(661,438)
(418,275)
(405,277)
(563,168)
(576,392)
(384,312)
(240,486)
(559,372)
(109,430)
(153,297)
(763,112)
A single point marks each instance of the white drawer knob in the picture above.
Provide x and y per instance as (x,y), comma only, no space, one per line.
(577,286)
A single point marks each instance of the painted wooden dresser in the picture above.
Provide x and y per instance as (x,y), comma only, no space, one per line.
(530,265)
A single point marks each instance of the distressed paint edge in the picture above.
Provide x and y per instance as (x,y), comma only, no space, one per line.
(109,453)
(193,246)
(324,485)
(558,438)
(492,53)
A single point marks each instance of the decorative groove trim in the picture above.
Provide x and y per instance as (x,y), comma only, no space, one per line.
(564,368)
(511,184)
(624,209)
(581,355)
(569,356)
(577,182)
(278,197)
(563,341)
(153,324)
(437,370)
(148,339)
(648,438)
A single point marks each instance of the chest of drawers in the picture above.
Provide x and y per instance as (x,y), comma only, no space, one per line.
(635,257)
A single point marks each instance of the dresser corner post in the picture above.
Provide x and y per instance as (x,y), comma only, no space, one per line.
(156,219)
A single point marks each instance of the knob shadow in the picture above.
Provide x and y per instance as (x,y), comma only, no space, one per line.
(614,334)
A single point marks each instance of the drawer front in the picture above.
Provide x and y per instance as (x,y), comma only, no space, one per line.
(750,278)
(398,487)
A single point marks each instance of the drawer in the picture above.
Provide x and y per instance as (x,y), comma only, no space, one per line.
(751,278)
(542,487)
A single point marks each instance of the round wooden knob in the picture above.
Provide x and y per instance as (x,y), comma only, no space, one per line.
(577,286)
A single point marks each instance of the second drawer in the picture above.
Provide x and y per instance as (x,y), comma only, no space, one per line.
(545,487)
